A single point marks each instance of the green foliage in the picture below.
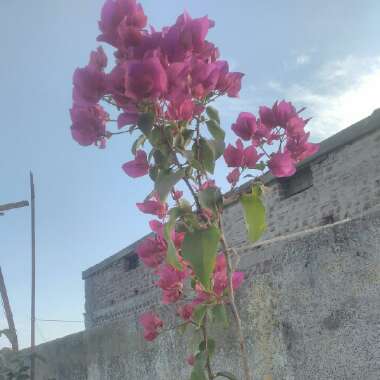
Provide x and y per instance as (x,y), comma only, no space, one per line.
(254,213)
(211,198)
(166,180)
(210,346)
(219,314)
(145,123)
(200,248)
(213,114)
(198,372)
(199,314)
(204,154)
(216,132)
(137,144)
(171,256)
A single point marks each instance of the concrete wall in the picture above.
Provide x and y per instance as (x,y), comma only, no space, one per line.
(342,180)
(310,306)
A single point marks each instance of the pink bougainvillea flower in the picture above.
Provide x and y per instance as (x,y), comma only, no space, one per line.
(171,282)
(98,59)
(234,157)
(283,112)
(177,195)
(130,116)
(137,167)
(267,116)
(152,251)
(204,77)
(186,311)
(295,126)
(237,279)
(190,360)
(186,36)
(220,277)
(282,164)
(151,324)
(89,86)
(153,206)
(178,79)
(113,13)
(207,184)
(245,126)
(181,109)
(300,148)
(88,124)
(233,86)
(251,157)
(234,176)
(145,79)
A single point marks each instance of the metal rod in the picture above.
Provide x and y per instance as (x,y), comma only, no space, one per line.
(10,206)
(8,313)
(33,303)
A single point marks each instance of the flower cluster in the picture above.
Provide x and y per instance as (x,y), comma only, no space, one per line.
(279,128)
(172,70)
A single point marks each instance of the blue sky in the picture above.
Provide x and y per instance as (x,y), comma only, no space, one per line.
(325,55)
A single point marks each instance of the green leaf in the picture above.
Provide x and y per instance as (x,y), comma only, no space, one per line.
(171,256)
(213,114)
(138,142)
(153,172)
(182,328)
(218,147)
(199,313)
(210,346)
(199,248)
(216,132)
(254,213)
(198,372)
(166,180)
(211,198)
(227,375)
(204,153)
(160,159)
(145,123)
(219,314)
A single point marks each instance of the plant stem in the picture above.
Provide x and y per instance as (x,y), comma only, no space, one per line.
(235,311)
(208,363)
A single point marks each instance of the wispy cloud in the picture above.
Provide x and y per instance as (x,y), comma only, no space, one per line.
(338,94)
(302,59)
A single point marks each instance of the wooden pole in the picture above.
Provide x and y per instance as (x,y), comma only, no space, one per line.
(33,303)
(8,313)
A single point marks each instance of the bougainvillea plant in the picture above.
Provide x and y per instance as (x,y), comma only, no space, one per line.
(162,87)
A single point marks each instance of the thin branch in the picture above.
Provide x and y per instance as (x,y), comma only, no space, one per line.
(235,312)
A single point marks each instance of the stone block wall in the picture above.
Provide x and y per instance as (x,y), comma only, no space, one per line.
(310,308)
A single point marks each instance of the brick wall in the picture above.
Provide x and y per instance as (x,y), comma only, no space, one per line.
(341,181)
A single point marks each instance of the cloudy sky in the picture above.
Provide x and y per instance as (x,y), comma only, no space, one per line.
(321,54)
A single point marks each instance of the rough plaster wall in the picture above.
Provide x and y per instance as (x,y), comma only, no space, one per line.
(346,183)
(115,294)
(310,305)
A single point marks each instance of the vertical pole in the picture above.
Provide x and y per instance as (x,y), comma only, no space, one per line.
(8,313)
(33,303)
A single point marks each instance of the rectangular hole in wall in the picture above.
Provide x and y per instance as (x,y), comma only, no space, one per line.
(301,181)
(131,262)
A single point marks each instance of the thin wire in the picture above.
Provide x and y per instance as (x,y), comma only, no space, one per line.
(57,320)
